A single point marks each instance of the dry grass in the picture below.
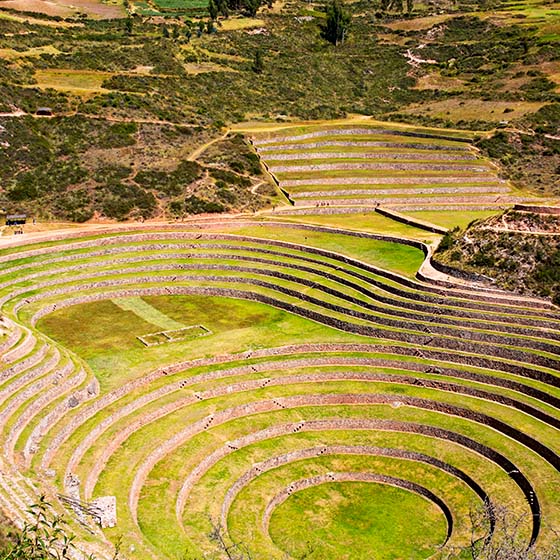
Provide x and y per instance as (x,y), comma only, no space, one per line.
(11,54)
(418,24)
(437,82)
(204,67)
(299,127)
(234,24)
(81,82)
(474,109)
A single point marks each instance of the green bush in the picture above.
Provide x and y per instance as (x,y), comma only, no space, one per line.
(195,205)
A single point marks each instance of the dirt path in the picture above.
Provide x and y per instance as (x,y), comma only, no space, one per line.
(14,113)
(415,61)
(524,231)
(255,187)
(19,113)
(201,149)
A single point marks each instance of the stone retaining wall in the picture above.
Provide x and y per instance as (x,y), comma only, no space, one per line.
(398,180)
(408,309)
(24,348)
(304,168)
(414,156)
(358,477)
(365,330)
(396,191)
(410,221)
(382,285)
(402,201)
(30,375)
(25,364)
(488,296)
(537,209)
(252,385)
(112,397)
(295,363)
(309,453)
(13,338)
(359,132)
(457,272)
(328,254)
(338,424)
(461,150)
(297,401)
(38,405)
(59,411)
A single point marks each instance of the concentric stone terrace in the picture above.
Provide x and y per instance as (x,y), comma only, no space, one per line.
(320,376)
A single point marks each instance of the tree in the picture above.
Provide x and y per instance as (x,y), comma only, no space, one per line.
(409,6)
(223,8)
(258,63)
(252,6)
(233,551)
(336,26)
(212,10)
(129,25)
(165,32)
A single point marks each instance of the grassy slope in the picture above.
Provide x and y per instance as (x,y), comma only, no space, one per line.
(519,260)
(307,78)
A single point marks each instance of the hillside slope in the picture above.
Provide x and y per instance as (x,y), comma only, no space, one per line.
(519,250)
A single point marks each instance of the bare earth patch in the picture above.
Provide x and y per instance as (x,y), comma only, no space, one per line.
(35,21)
(438,82)
(204,67)
(67,8)
(39,6)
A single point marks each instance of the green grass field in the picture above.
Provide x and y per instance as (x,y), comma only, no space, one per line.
(323,355)
(353,519)
(107,340)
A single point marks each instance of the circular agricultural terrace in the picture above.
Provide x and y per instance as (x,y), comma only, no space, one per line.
(293,388)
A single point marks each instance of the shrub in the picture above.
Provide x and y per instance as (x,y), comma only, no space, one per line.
(195,205)
(44,537)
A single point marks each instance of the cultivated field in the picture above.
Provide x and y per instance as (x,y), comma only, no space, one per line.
(357,167)
(321,384)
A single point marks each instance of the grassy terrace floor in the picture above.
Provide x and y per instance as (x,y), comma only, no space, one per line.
(329,388)
(360,165)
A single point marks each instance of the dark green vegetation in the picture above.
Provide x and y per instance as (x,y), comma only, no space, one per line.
(75,167)
(337,23)
(525,260)
(530,157)
(142,89)
(45,536)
